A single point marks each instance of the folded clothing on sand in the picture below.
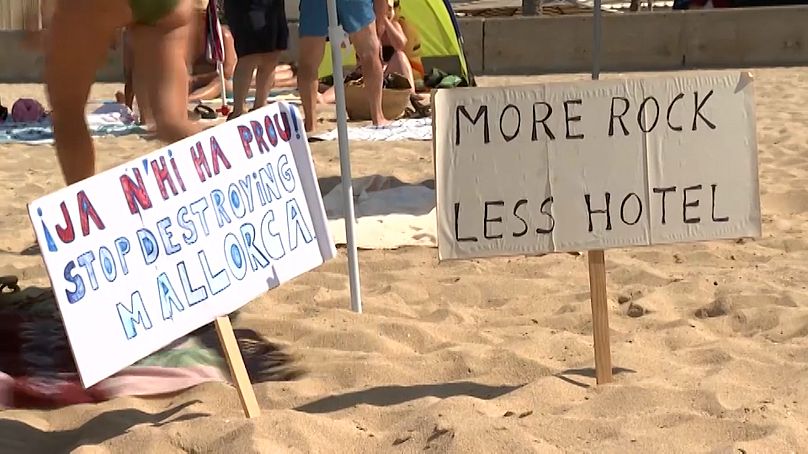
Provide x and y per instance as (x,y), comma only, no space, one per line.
(389,213)
(37,369)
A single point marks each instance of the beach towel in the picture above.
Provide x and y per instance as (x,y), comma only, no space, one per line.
(389,213)
(404,129)
(110,119)
(37,369)
(290,95)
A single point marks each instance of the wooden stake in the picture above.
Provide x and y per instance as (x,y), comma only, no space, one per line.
(600,316)
(237,370)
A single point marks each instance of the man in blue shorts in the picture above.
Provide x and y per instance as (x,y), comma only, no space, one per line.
(357,18)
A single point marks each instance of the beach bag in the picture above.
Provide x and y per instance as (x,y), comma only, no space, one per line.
(26,110)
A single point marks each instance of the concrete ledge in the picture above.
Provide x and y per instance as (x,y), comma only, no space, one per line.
(473,35)
(747,37)
(19,65)
(645,41)
(651,41)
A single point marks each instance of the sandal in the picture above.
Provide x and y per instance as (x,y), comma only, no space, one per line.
(205,112)
(421,108)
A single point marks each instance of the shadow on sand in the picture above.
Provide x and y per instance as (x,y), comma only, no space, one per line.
(17,436)
(393,395)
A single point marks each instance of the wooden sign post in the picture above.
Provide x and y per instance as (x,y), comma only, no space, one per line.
(235,362)
(600,316)
(149,251)
(595,165)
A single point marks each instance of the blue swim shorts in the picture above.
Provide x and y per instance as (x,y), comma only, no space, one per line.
(353,15)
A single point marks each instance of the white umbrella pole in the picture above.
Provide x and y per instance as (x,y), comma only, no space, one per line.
(335,38)
(596,44)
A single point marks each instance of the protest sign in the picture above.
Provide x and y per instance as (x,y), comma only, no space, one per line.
(595,164)
(148,251)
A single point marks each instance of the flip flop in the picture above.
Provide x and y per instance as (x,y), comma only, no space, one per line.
(205,112)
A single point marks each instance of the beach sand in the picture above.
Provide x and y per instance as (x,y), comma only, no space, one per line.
(708,340)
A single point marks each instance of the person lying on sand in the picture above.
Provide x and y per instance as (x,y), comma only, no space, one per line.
(203,82)
(77,45)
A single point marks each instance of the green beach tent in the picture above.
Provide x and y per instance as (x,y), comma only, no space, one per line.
(434,39)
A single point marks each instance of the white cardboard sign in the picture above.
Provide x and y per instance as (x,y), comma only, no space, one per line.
(148,251)
(595,164)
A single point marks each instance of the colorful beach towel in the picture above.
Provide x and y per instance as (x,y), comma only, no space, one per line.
(37,369)
(404,129)
(110,119)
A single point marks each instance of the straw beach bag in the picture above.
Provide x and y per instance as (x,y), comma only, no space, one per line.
(394,101)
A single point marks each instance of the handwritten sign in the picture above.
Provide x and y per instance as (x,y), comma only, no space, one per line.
(595,165)
(146,252)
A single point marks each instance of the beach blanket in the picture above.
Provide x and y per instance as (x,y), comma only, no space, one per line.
(404,129)
(109,119)
(389,213)
(37,369)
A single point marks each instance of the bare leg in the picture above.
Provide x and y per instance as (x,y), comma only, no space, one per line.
(368,51)
(128,70)
(79,37)
(311,53)
(242,79)
(162,53)
(401,65)
(265,78)
(140,88)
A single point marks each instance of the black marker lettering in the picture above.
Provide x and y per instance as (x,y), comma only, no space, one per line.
(641,115)
(457,225)
(482,112)
(524,223)
(664,192)
(686,205)
(487,220)
(715,219)
(545,210)
(570,119)
(699,105)
(547,131)
(612,116)
(515,133)
(670,109)
(604,211)
(623,209)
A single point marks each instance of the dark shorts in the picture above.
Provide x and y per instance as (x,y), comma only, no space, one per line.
(258,26)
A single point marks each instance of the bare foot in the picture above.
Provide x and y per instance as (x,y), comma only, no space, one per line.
(382,123)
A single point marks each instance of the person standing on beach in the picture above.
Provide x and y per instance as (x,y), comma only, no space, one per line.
(77,44)
(260,34)
(358,19)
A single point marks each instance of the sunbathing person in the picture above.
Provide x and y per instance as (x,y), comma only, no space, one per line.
(394,45)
